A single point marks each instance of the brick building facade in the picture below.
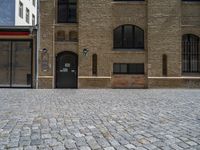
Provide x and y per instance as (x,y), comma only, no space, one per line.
(119,44)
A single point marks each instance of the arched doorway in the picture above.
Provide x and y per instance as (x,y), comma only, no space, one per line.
(66,70)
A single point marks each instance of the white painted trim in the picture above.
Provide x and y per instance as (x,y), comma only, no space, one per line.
(93,77)
(46,77)
(174,77)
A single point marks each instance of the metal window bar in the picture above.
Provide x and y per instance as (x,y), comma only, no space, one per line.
(191,55)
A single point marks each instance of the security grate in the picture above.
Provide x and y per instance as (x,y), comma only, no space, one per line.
(191,54)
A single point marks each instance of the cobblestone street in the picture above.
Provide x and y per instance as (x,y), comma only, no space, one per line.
(100,119)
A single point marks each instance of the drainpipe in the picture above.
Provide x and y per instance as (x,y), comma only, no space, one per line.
(38,43)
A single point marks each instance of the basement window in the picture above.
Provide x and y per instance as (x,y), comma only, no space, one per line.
(122,68)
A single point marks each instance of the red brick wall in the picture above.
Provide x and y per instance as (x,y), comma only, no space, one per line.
(128,81)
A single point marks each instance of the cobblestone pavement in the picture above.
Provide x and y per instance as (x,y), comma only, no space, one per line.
(100,119)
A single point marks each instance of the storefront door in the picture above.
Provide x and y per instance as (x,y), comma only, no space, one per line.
(15,63)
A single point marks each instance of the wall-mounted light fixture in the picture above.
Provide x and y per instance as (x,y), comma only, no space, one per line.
(85,51)
(44,50)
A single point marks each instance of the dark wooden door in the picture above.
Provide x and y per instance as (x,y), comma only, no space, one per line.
(66,70)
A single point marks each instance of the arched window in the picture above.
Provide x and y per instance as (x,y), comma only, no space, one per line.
(190,54)
(164,65)
(94,64)
(60,36)
(67,11)
(73,36)
(128,37)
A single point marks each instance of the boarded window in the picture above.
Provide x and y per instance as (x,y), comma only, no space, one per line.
(73,36)
(60,36)
(164,65)
(94,64)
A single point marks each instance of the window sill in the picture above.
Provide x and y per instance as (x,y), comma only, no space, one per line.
(190,74)
(115,75)
(121,50)
(191,2)
(129,2)
(63,42)
(66,24)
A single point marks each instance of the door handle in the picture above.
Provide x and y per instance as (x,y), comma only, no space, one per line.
(73,71)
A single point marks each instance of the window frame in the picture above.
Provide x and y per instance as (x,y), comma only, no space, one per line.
(127,0)
(33,20)
(34,3)
(67,19)
(21,9)
(123,46)
(27,15)
(189,53)
(190,0)
(128,71)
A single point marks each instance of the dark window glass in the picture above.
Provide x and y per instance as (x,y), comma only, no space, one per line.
(123,68)
(33,2)
(120,68)
(27,15)
(94,65)
(118,37)
(128,37)
(21,9)
(33,19)
(128,0)
(139,38)
(191,0)
(67,11)
(191,54)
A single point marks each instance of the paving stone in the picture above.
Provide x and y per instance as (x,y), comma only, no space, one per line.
(36,142)
(46,136)
(69,144)
(191,143)
(12,144)
(24,143)
(183,145)
(109,148)
(113,142)
(130,146)
(18,148)
(121,147)
(99,119)
(92,142)
(140,148)
(59,147)
(103,142)
(79,135)
(84,148)
(30,148)
(150,146)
